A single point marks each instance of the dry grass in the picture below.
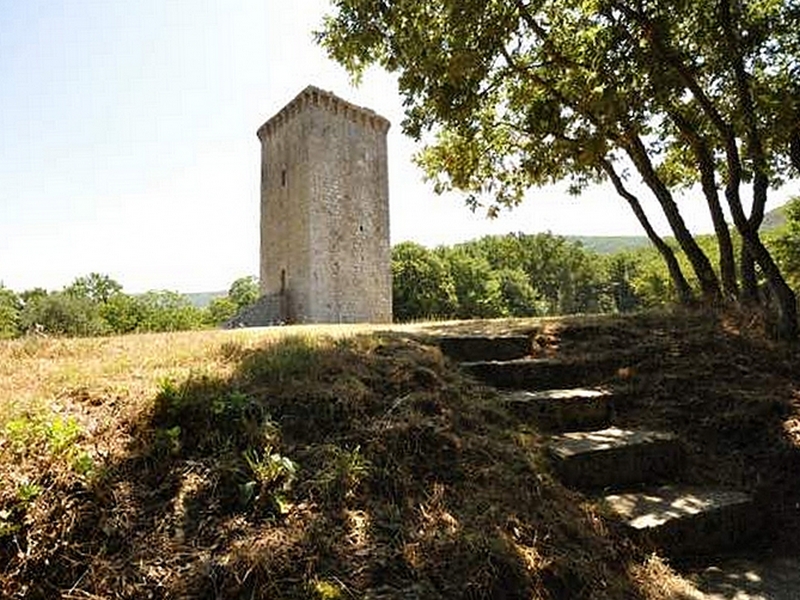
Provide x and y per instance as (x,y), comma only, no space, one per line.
(312,462)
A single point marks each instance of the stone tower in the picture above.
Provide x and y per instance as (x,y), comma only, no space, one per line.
(325,254)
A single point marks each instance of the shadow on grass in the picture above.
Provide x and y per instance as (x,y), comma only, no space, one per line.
(359,468)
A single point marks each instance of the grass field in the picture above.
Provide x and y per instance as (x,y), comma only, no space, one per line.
(338,462)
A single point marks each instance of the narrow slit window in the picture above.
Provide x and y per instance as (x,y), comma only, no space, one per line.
(283,178)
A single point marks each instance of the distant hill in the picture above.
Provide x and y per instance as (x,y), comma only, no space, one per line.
(774,218)
(609,244)
(612,244)
(203,299)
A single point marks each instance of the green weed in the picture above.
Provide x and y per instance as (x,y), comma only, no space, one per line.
(28,492)
(168,441)
(62,434)
(83,464)
(271,476)
(326,590)
(59,435)
(341,473)
(11,519)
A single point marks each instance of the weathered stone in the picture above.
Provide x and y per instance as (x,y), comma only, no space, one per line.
(543,373)
(563,410)
(687,521)
(325,211)
(476,348)
(613,457)
(267,310)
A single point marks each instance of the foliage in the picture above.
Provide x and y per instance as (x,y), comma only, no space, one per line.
(422,285)
(124,313)
(243,292)
(499,276)
(166,310)
(786,242)
(10,307)
(513,95)
(94,286)
(477,291)
(220,311)
(59,313)
(95,304)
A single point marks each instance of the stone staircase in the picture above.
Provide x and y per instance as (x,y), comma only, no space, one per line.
(635,474)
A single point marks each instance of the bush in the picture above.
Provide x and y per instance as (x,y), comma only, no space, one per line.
(10,307)
(62,314)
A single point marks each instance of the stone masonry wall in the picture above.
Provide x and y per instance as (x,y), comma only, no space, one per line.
(325,211)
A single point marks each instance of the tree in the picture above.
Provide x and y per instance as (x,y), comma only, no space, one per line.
(244,292)
(59,313)
(221,310)
(477,291)
(786,242)
(94,286)
(167,310)
(422,286)
(522,93)
(10,307)
(32,295)
(124,313)
(520,298)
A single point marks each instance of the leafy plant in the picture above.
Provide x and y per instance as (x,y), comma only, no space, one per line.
(341,472)
(83,464)
(62,434)
(28,492)
(58,434)
(272,475)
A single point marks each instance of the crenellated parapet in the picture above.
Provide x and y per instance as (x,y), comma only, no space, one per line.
(315,97)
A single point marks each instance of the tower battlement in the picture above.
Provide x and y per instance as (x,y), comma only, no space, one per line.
(315,96)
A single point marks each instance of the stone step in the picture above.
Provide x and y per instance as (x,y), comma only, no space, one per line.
(561,410)
(614,458)
(685,522)
(463,348)
(544,373)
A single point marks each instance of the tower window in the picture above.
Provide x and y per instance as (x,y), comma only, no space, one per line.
(283,178)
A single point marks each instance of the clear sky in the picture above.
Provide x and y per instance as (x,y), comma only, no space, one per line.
(128,146)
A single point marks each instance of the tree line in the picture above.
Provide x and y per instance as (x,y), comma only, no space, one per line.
(515,275)
(95,304)
(522,275)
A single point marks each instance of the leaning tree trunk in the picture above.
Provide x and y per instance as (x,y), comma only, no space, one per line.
(750,295)
(682,287)
(787,304)
(705,163)
(785,297)
(709,284)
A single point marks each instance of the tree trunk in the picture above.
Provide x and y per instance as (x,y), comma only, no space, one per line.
(785,297)
(682,287)
(794,149)
(705,163)
(787,303)
(749,295)
(709,284)
(748,228)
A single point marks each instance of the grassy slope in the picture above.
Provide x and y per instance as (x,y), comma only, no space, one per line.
(163,465)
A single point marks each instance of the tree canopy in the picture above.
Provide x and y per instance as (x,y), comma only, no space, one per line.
(513,94)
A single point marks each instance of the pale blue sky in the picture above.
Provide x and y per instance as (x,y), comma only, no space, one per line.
(128,146)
